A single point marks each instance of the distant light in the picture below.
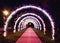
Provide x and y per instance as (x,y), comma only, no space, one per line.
(5,12)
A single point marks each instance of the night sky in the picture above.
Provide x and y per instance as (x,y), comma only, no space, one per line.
(51,6)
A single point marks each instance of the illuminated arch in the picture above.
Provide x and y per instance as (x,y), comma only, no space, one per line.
(33,14)
(26,7)
(30,18)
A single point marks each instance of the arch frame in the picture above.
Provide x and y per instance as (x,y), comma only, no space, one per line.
(31,18)
(31,14)
(34,7)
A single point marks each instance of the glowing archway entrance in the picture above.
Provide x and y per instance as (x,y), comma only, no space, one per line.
(30,24)
(26,7)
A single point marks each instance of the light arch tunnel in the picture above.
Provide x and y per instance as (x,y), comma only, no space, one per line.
(34,17)
(32,7)
(28,19)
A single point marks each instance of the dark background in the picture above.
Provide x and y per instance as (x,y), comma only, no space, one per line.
(51,6)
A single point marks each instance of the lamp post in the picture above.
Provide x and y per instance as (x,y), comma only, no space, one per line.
(5,14)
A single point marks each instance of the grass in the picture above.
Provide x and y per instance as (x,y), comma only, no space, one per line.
(11,37)
(44,38)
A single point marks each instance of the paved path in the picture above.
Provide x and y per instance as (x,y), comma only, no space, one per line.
(29,36)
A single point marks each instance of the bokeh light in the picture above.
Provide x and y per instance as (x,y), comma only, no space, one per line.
(5,12)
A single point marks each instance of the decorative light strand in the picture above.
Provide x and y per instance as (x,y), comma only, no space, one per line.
(26,7)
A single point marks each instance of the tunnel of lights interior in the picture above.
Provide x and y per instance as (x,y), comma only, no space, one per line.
(30,16)
(36,17)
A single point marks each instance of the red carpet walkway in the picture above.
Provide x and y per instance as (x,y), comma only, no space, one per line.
(29,36)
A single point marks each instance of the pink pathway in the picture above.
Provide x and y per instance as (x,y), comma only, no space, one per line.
(29,36)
